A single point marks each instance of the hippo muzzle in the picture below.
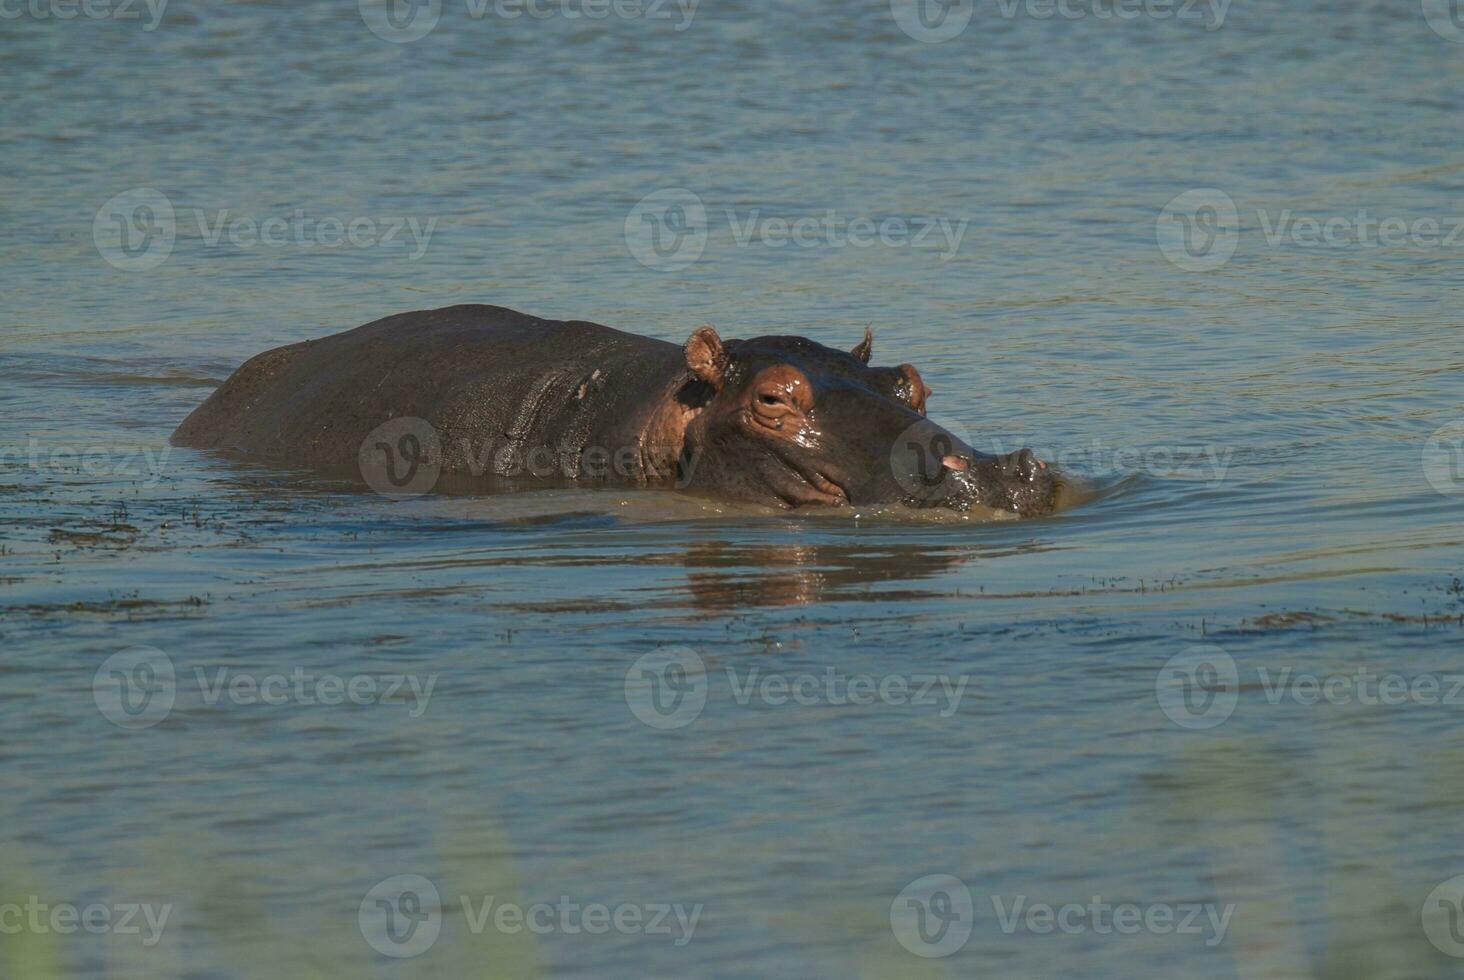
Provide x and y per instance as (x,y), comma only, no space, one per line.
(1018,482)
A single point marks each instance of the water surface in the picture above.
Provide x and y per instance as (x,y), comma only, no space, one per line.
(1257,433)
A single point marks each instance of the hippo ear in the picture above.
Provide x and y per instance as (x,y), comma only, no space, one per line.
(865,347)
(706,356)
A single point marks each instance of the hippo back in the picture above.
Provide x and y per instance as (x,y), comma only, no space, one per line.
(481,375)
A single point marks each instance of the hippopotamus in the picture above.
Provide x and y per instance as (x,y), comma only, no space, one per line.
(470,393)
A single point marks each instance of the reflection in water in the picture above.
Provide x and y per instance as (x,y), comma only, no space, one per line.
(724,575)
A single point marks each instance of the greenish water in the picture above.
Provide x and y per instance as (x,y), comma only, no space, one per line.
(1267,435)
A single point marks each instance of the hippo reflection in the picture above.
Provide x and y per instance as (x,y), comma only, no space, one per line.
(722,575)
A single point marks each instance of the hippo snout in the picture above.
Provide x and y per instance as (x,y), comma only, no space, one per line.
(1021,465)
(1018,482)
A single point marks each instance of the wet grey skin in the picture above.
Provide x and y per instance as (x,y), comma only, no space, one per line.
(780,421)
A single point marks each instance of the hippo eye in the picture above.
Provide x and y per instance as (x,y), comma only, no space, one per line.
(779,392)
(774,403)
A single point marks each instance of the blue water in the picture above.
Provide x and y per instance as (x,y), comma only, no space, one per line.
(1271,441)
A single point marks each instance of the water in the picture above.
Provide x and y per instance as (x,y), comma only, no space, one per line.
(1257,438)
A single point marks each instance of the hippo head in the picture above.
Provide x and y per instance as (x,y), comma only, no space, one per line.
(788,422)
